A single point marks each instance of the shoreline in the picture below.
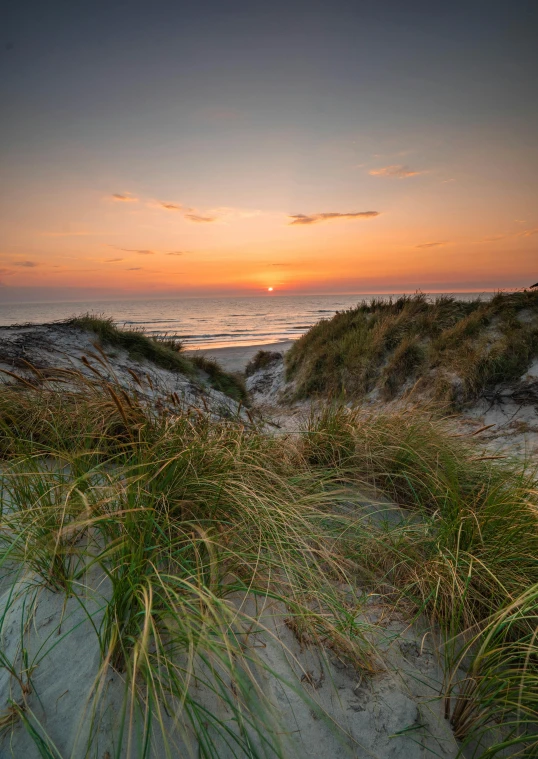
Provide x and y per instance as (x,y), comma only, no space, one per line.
(234,358)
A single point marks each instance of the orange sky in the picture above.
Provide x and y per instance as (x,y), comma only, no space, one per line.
(201,152)
(144,245)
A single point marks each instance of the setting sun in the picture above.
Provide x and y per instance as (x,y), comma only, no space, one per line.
(270,289)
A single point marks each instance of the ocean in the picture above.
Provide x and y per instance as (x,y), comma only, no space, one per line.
(205,322)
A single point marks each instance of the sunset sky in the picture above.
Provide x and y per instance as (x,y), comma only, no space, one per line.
(155,148)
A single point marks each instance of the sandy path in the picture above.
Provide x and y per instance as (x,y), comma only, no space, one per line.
(235,358)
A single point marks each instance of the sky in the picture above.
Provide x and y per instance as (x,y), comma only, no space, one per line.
(163,148)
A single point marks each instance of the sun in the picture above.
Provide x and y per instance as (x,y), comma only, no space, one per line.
(270,289)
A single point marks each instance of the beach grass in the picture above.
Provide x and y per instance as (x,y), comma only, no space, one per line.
(191,526)
(261,360)
(463,552)
(231,384)
(172,534)
(454,351)
(165,351)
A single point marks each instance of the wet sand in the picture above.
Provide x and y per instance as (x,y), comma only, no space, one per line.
(236,358)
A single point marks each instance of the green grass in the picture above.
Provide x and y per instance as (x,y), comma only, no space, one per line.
(261,360)
(164,352)
(232,385)
(191,527)
(500,685)
(452,350)
(464,553)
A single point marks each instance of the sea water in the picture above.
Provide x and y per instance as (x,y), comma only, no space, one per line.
(205,322)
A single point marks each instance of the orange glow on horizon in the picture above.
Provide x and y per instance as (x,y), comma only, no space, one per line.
(157,250)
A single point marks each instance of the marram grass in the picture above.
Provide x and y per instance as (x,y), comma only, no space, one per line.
(450,350)
(174,533)
(189,526)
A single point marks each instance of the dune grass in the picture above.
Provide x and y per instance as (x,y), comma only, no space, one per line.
(191,525)
(261,360)
(453,350)
(165,352)
(186,530)
(465,553)
(230,384)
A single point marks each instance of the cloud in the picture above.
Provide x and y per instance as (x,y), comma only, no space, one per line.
(493,239)
(528,233)
(430,245)
(140,251)
(302,218)
(279,264)
(125,197)
(199,219)
(170,206)
(135,268)
(112,260)
(447,181)
(26,264)
(175,253)
(396,170)
(6,272)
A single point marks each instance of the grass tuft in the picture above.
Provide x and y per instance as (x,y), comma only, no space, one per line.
(261,360)
(232,385)
(191,533)
(452,350)
(164,352)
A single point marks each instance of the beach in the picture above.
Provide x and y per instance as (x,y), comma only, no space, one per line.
(236,357)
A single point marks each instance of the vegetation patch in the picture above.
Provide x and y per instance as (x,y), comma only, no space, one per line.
(261,360)
(173,534)
(453,350)
(463,551)
(164,352)
(232,385)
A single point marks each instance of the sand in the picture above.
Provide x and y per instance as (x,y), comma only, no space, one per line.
(235,358)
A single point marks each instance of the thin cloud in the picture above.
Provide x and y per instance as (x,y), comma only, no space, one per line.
(302,219)
(125,197)
(396,171)
(26,264)
(200,219)
(494,239)
(528,233)
(279,264)
(447,181)
(112,260)
(170,206)
(135,268)
(430,245)
(139,251)
(144,252)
